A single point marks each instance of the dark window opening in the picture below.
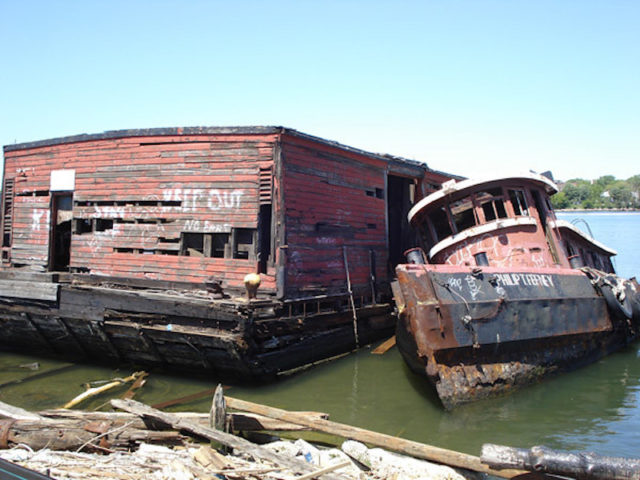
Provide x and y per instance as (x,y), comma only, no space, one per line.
(243,243)
(35,193)
(427,237)
(192,244)
(103,224)
(60,240)
(265,256)
(370,193)
(492,204)
(220,245)
(83,225)
(379,192)
(489,211)
(518,202)
(440,223)
(463,214)
(570,251)
(371,226)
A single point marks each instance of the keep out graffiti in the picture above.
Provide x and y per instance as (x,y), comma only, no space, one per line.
(213,199)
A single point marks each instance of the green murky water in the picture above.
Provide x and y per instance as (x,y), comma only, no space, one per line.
(596,408)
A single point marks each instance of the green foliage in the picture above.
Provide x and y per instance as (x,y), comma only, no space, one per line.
(604,193)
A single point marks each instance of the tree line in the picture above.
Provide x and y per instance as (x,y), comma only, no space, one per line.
(606,192)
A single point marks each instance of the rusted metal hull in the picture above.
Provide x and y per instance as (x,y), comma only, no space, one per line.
(477,333)
(227,338)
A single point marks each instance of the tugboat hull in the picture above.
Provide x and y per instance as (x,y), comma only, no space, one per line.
(476,333)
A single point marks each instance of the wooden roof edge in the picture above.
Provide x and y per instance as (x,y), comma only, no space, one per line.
(144,132)
(230,130)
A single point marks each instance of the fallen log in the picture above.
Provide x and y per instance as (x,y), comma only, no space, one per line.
(583,466)
(388,442)
(240,444)
(102,434)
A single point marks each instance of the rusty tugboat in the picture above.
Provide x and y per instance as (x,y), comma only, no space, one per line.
(136,246)
(502,293)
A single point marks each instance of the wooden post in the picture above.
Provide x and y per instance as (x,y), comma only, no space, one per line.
(218,412)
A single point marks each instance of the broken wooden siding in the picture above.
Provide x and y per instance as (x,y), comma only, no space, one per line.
(193,204)
(336,219)
(137,199)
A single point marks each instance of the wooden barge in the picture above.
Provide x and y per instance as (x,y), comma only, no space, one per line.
(507,293)
(133,247)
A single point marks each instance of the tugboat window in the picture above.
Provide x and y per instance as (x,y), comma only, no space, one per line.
(518,202)
(440,223)
(492,204)
(463,214)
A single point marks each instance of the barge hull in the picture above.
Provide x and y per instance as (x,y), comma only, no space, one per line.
(230,338)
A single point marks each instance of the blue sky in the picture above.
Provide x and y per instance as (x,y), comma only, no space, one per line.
(467,86)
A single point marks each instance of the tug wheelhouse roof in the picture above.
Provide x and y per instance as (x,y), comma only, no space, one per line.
(452,187)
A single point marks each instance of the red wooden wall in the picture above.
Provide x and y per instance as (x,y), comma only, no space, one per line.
(152,188)
(140,196)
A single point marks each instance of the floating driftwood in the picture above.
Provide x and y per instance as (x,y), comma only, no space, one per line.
(582,466)
(385,346)
(92,392)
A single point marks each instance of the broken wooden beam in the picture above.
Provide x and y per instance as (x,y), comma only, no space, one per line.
(79,434)
(388,442)
(385,346)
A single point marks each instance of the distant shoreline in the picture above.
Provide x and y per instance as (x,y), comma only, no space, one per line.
(597,210)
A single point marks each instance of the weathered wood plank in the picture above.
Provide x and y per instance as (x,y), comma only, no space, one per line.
(29,290)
